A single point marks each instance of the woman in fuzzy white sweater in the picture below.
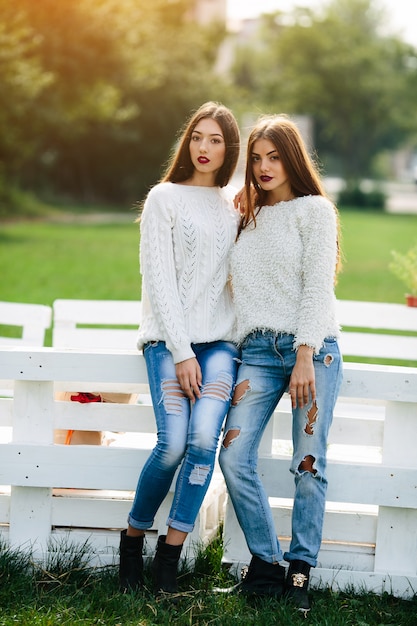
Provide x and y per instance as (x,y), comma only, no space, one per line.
(283,267)
(188,226)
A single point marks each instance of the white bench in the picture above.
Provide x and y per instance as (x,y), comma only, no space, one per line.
(32,320)
(369,535)
(383,318)
(95,324)
(81,490)
(86,324)
(367,327)
(84,491)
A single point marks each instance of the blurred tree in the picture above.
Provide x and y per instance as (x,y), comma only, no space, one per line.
(22,81)
(123,76)
(339,66)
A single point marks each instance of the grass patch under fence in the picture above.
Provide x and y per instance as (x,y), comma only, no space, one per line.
(43,261)
(66,591)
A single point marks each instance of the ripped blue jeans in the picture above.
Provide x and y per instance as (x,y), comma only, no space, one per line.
(267,362)
(187,433)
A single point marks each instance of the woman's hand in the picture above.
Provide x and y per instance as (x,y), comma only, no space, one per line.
(240,200)
(302,386)
(190,378)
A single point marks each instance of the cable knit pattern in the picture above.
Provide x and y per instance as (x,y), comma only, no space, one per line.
(283,272)
(186,236)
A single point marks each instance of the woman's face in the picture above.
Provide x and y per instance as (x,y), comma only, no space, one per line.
(269,171)
(207,147)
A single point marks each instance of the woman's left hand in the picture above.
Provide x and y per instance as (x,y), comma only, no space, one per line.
(302,386)
(190,378)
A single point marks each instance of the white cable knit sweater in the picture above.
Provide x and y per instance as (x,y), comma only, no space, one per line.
(283,272)
(186,236)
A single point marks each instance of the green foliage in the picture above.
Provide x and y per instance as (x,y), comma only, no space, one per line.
(404,267)
(354,195)
(94,92)
(22,81)
(336,65)
(15,203)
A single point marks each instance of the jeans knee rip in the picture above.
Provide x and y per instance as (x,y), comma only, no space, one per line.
(328,360)
(172,396)
(199,474)
(230,436)
(307,465)
(218,389)
(240,391)
(311,419)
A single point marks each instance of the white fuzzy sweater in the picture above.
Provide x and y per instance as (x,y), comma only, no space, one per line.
(283,272)
(186,236)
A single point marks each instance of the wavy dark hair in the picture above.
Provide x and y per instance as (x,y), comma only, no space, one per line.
(300,167)
(180,167)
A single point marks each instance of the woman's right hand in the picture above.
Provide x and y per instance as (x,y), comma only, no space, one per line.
(190,378)
(302,387)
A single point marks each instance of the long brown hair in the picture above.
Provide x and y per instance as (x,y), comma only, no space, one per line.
(180,168)
(300,167)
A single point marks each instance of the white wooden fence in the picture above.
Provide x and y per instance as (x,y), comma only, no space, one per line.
(370,529)
(84,492)
(31,319)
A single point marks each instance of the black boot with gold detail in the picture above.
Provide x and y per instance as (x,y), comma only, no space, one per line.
(296,585)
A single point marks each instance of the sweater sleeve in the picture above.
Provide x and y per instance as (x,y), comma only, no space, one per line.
(318,227)
(158,270)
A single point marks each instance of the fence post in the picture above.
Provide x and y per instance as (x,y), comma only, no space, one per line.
(396,547)
(31,507)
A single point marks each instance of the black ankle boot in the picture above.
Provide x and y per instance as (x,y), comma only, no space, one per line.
(164,567)
(264,579)
(297,585)
(131,562)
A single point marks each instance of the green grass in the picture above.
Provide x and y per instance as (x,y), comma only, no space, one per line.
(66,591)
(42,261)
(367,241)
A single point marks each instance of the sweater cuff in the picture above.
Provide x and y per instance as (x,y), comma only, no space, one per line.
(299,342)
(182,353)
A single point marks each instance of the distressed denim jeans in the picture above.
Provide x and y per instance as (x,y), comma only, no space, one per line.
(267,362)
(187,432)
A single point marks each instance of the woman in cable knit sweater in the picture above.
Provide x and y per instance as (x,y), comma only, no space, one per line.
(283,267)
(188,226)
